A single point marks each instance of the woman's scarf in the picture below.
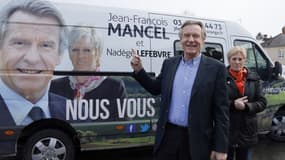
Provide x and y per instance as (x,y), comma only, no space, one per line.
(239,78)
(81,88)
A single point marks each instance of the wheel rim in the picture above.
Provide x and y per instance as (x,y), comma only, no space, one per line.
(49,148)
(278,127)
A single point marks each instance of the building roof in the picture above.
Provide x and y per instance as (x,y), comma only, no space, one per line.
(277,41)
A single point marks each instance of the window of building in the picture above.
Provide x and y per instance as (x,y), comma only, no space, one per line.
(281,54)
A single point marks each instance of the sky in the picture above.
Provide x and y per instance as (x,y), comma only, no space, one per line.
(265,16)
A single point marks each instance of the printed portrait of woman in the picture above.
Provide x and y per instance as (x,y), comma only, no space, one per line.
(85,50)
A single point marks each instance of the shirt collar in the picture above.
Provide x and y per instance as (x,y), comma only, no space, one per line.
(18,106)
(194,61)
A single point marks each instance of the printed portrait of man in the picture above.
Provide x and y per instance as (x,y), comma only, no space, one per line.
(31,43)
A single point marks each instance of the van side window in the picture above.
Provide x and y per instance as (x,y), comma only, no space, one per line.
(213,50)
(255,60)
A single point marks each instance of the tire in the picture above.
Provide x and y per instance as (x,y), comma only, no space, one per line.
(278,128)
(49,144)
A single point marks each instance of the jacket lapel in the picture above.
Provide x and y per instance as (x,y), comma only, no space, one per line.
(172,71)
(57,106)
(6,118)
(203,70)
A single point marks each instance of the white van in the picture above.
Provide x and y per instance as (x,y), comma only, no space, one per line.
(103,120)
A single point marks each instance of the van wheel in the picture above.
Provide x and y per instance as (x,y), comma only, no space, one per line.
(49,144)
(278,128)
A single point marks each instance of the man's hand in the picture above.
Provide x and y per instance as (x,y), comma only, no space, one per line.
(218,156)
(136,62)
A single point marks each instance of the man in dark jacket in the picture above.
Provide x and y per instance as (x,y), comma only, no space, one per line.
(194,120)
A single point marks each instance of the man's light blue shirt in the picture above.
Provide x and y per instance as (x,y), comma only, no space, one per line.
(182,89)
(19,107)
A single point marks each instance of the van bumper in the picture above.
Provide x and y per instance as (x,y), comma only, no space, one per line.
(8,143)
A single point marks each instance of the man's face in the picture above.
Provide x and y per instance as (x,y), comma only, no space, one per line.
(192,40)
(29,54)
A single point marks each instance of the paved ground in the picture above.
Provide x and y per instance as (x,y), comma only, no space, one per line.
(269,150)
(265,150)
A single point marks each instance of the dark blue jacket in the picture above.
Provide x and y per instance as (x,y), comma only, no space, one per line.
(208,109)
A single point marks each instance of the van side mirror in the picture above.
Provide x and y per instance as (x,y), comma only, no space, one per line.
(277,70)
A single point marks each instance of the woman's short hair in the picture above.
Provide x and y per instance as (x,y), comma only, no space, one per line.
(77,33)
(235,50)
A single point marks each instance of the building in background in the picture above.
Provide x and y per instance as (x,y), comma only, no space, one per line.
(275,46)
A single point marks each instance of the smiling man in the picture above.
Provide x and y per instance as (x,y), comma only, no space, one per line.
(31,41)
(194,115)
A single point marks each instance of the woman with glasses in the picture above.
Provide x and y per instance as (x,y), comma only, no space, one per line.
(246,100)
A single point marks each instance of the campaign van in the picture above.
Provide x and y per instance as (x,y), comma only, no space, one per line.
(66,82)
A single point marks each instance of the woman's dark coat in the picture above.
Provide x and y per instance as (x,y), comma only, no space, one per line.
(243,124)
